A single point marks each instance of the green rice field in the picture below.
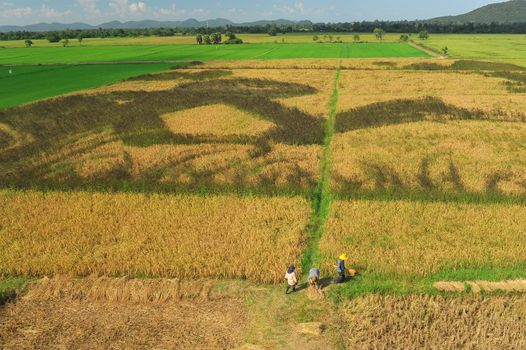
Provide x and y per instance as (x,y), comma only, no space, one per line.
(155,53)
(32,83)
(507,48)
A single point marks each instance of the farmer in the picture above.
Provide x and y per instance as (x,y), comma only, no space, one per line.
(314,278)
(341,268)
(292,280)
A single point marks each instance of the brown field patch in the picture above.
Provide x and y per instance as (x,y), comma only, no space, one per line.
(98,314)
(417,239)
(425,322)
(180,236)
(453,156)
(218,120)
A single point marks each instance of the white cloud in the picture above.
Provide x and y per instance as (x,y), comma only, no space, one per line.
(298,8)
(90,7)
(43,13)
(17,12)
(169,12)
(137,7)
(123,8)
(200,12)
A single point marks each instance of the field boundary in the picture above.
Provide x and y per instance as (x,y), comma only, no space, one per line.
(321,196)
(431,52)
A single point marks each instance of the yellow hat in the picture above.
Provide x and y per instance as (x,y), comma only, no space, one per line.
(344,257)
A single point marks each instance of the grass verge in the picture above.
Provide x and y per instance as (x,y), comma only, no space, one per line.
(321,196)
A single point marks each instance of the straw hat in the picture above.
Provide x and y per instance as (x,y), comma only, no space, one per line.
(344,257)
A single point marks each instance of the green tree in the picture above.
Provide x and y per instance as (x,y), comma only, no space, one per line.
(315,38)
(53,38)
(65,42)
(404,37)
(356,38)
(28,43)
(231,36)
(207,39)
(199,39)
(216,38)
(424,35)
(379,33)
(273,30)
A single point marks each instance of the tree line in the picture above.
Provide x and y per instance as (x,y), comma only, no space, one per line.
(410,27)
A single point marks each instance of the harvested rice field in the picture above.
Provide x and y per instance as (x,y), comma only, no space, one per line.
(56,314)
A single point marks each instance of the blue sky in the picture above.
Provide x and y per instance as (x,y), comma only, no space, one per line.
(99,11)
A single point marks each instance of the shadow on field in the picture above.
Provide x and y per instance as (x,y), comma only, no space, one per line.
(408,111)
(515,75)
(31,137)
(381,180)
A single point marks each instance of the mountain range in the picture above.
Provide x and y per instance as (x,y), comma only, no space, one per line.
(505,12)
(189,23)
(513,11)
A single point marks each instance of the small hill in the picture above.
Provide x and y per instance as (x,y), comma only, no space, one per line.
(513,11)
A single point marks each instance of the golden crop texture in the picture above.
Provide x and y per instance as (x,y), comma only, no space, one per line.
(418,238)
(180,236)
(453,156)
(426,322)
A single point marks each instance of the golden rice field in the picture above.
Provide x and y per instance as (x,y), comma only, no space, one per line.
(462,89)
(416,238)
(227,121)
(207,176)
(453,156)
(181,236)
(426,322)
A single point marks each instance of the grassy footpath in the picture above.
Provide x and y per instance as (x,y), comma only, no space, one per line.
(163,53)
(321,195)
(32,83)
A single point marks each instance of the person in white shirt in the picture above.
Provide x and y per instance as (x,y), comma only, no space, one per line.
(292,280)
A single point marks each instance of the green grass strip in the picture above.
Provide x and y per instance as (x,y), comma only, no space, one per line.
(321,196)
(10,287)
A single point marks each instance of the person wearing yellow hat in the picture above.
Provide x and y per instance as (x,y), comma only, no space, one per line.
(341,268)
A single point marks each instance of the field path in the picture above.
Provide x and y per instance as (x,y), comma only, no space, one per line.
(321,196)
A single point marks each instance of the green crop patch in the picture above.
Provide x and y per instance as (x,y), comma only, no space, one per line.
(31,83)
(204,52)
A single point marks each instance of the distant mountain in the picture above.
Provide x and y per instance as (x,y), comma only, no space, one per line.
(189,23)
(505,12)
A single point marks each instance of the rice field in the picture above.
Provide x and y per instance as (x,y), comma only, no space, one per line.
(150,235)
(169,189)
(426,322)
(449,157)
(407,240)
